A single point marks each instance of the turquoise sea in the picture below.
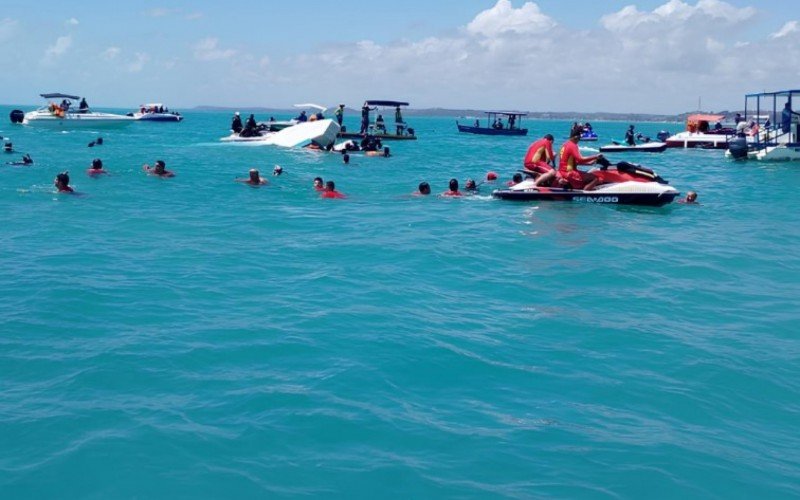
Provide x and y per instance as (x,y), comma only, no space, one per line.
(197,338)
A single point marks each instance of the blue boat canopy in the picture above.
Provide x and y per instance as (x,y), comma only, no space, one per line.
(59,95)
(386,103)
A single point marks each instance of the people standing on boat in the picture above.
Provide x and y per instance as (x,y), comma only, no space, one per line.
(630,138)
(786,118)
(365,109)
(302,117)
(236,124)
(738,119)
(83,107)
(380,125)
(477,123)
(540,157)
(511,121)
(339,114)
(398,120)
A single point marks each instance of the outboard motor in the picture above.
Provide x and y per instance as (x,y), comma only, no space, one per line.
(738,147)
(663,135)
(17,116)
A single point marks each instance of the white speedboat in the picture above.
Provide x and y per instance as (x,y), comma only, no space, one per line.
(699,134)
(318,133)
(62,115)
(155,112)
(266,129)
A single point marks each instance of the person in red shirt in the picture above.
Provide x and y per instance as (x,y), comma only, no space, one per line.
(453,189)
(331,192)
(96,168)
(569,159)
(540,156)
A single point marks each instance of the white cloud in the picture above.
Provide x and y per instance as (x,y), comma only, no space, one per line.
(110,53)
(787,29)
(504,18)
(71,22)
(207,50)
(62,44)
(137,65)
(158,12)
(8,28)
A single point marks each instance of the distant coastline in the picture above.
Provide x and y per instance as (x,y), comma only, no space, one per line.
(535,115)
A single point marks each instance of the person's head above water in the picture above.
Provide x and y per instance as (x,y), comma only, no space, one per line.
(160,167)
(278,170)
(97,164)
(330,186)
(346,158)
(318,182)
(424,188)
(62,181)
(470,185)
(254,176)
(691,197)
(453,185)
(549,137)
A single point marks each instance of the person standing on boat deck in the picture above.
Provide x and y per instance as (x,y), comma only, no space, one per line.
(511,120)
(302,117)
(365,109)
(339,114)
(83,107)
(380,125)
(398,120)
(738,118)
(540,156)
(786,117)
(630,139)
(236,124)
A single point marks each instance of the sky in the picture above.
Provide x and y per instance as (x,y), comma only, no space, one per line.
(633,56)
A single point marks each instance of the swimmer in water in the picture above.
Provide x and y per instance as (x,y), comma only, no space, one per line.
(691,198)
(424,189)
(318,184)
(331,192)
(158,170)
(26,161)
(278,170)
(8,147)
(346,159)
(62,183)
(254,179)
(470,186)
(453,191)
(96,168)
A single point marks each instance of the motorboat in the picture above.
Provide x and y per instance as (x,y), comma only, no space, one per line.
(642,147)
(589,135)
(622,184)
(768,140)
(379,128)
(266,129)
(495,126)
(700,134)
(155,112)
(64,116)
(317,133)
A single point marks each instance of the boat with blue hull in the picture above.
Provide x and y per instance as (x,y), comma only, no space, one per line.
(495,125)
(777,138)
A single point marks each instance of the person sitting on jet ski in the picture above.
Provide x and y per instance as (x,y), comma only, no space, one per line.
(568,173)
(630,139)
(540,155)
(236,124)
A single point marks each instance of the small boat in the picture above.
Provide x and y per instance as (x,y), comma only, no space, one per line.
(625,184)
(64,116)
(495,126)
(155,112)
(265,129)
(589,135)
(769,140)
(644,147)
(379,128)
(699,134)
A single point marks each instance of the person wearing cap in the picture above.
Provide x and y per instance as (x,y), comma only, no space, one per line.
(254,178)
(331,192)
(339,114)
(236,124)
(61,183)
(159,169)
(540,156)
(630,138)
(96,168)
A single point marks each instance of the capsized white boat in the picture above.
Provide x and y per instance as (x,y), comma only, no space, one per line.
(62,115)
(321,133)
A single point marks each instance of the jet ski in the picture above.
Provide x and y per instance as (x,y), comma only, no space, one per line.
(589,135)
(623,184)
(644,147)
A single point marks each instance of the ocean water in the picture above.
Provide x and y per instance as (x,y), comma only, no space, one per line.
(197,338)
